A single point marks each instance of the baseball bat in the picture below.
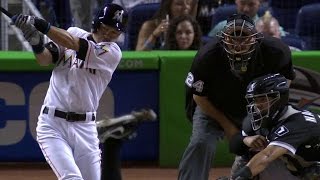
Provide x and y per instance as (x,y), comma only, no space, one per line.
(7,13)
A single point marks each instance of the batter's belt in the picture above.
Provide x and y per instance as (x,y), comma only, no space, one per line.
(68,116)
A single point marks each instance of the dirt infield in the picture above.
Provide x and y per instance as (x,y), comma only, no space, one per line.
(27,172)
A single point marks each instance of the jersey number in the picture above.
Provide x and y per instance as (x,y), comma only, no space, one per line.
(198,85)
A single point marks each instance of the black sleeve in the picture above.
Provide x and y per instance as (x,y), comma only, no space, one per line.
(197,79)
(53,50)
(286,67)
(83,48)
(236,145)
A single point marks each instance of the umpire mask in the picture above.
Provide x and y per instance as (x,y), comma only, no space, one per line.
(240,39)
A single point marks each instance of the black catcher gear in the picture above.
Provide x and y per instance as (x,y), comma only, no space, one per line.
(266,96)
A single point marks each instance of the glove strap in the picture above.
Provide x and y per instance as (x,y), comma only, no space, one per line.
(42,25)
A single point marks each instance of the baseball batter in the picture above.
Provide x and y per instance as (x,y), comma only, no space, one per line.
(83,66)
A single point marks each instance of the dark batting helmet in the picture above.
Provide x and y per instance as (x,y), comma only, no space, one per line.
(266,96)
(112,15)
(240,39)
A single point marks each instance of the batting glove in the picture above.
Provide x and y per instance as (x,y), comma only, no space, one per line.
(23,21)
(32,35)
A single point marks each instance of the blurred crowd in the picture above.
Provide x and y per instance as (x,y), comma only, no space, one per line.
(189,24)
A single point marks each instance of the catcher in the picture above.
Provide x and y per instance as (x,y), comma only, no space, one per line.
(277,129)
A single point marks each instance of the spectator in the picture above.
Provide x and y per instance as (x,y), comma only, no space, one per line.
(247,7)
(206,8)
(56,12)
(269,25)
(152,32)
(82,12)
(184,33)
(128,4)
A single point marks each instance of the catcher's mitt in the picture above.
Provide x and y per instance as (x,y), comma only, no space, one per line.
(123,126)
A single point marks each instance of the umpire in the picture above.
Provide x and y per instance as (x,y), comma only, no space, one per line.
(216,87)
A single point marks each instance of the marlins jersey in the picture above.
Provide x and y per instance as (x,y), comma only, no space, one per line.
(79,78)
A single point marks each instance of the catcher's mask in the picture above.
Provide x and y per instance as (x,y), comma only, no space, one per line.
(240,39)
(266,95)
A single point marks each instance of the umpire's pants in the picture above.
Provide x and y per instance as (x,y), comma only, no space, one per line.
(197,158)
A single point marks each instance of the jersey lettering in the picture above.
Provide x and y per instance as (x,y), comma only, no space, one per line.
(189,79)
(64,60)
(77,63)
(308,116)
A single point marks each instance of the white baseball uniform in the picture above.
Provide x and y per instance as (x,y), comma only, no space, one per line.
(77,83)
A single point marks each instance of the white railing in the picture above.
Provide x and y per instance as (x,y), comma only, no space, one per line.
(27,8)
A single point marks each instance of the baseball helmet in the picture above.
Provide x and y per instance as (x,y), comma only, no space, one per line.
(240,39)
(112,15)
(266,95)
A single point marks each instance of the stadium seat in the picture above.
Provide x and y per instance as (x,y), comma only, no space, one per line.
(294,41)
(223,12)
(108,1)
(308,25)
(137,16)
(286,11)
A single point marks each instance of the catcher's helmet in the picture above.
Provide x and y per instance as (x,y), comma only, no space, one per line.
(266,95)
(112,15)
(239,38)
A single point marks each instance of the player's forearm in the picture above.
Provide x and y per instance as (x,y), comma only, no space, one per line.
(256,165)
(44,58)
(63,38)
(261,160)
(209,109)
(59,36)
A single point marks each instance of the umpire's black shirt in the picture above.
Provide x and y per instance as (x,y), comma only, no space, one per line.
(210,74)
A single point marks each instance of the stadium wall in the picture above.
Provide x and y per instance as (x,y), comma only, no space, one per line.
(152,79)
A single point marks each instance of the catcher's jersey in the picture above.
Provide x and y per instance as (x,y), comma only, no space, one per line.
(77,83)
(298,131)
